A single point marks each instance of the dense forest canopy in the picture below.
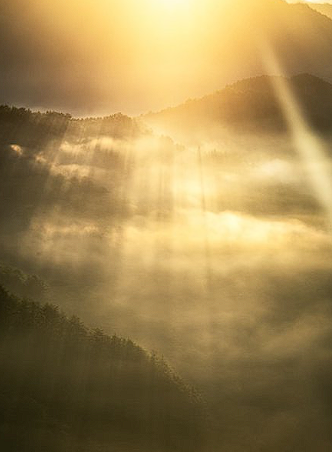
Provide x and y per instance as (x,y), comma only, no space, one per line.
(66,387)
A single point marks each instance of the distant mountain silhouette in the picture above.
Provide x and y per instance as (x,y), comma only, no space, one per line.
(300,37)
(323,8)
(249,105)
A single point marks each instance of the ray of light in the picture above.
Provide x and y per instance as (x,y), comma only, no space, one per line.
(307,143)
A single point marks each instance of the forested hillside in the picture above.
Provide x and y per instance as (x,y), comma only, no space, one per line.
(65,387)
(249,105)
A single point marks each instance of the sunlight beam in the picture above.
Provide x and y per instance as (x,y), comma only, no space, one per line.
(307,143)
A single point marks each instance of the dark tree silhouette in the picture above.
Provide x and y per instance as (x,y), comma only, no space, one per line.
(66,387)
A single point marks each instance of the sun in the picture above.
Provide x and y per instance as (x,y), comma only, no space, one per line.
(174,4)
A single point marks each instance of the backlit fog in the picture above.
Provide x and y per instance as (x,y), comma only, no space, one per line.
(216,254)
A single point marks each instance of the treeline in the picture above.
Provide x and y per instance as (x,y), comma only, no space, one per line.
(22,284)
(34,129)
(66,387)
(31,129)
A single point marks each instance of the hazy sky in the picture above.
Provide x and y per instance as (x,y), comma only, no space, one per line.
(103,56)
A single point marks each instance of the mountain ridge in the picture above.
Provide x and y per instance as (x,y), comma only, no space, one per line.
(322,8)
(252,103)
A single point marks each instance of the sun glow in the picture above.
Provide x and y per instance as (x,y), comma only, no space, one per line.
(175,10)
(171,4)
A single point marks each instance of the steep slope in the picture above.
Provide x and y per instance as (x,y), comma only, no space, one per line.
(65,387)
(249,105)
(323,8)
(300,37)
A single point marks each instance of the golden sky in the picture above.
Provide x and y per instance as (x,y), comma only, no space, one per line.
(102,56)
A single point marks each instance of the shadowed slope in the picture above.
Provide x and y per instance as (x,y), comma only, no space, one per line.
(249,105)
(323,8)
(66,387)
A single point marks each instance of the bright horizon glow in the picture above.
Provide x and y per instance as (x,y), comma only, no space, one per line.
(136,56)
(174,3)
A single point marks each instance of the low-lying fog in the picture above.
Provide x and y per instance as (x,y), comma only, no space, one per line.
(215,254)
